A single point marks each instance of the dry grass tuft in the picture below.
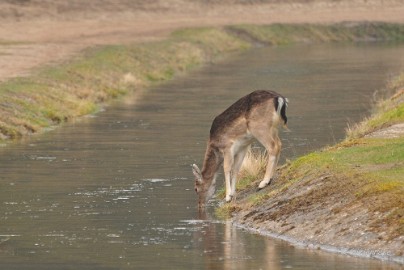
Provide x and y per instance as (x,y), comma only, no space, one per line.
(254,164)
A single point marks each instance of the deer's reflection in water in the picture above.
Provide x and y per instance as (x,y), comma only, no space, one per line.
(225,247)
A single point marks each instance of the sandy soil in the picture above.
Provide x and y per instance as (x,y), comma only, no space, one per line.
(394,131)
(34,33)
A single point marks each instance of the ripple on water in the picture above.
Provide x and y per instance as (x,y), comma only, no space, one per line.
(120,192)
(155,180)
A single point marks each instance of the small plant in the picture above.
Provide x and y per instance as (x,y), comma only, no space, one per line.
(226,210)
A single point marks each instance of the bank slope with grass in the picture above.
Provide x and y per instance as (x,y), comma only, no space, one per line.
(58,94)
(83,85)
(348,198)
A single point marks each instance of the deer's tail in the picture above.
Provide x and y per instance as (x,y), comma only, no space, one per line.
(281,108)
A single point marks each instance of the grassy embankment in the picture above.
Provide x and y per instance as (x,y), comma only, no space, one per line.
(58,94)
(361,172)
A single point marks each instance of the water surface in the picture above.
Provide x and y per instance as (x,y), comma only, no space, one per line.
(115,191)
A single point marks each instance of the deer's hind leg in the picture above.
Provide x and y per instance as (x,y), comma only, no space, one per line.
(273,147)
(268,137)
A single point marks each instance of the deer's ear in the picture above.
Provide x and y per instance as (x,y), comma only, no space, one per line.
(197,172)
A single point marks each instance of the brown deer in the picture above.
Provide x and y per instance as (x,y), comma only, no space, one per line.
(257,115)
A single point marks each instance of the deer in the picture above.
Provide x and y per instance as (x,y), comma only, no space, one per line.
(255,116)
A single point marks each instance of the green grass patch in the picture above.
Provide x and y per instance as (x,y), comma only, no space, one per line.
(377,164)
(4,42)
(369,152)
(257,199)
(213,41)
(283,34)
(396,115)
(373,159)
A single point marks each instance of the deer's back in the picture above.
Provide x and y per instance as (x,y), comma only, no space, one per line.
(234,119)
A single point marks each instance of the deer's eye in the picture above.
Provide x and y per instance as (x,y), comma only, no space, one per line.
(196,190)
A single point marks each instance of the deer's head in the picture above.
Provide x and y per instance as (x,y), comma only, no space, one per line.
(203,187)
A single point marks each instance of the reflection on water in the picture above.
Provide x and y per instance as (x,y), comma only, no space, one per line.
(115,191)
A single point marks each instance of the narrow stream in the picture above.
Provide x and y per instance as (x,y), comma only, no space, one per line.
(115,191)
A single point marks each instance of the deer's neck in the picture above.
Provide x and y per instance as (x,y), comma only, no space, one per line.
(211,164)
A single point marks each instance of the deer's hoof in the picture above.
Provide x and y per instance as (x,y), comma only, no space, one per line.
(263,184)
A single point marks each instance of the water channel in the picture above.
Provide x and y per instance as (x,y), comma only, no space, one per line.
(115,191)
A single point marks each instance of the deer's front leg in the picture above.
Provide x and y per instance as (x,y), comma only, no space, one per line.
(227,167)
(238,161)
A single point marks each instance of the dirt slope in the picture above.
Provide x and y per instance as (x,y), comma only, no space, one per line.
(340,223)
